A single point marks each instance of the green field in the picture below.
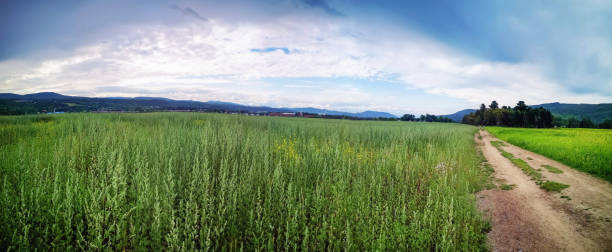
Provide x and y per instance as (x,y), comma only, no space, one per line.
(589,150)
(212,181)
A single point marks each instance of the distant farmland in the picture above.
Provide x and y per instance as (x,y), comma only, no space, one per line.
(185,181)
(589,150)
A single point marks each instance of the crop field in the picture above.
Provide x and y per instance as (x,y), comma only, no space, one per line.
(187,181)
(589,150)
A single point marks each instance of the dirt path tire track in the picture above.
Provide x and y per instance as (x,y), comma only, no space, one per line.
(528,218)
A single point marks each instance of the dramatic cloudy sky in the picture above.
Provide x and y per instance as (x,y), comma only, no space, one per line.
(396,56)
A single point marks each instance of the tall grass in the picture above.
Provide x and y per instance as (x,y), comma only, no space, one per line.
(183,181)
(589,150)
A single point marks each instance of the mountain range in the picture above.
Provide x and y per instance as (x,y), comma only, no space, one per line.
(458,116)
(49,102)
(596,112)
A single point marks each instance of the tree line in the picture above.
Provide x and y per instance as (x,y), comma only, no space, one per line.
(425,118)
(524,116)
(585,122)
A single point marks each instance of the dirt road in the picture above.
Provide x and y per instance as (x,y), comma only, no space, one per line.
(528,218)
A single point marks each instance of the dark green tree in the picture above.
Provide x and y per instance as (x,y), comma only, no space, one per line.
(519,116)
(607,124)
(408,117)
(521,106)
(573,123)
(494,105)
(586,123)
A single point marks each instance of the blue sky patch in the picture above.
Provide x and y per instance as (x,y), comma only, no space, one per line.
(271,49)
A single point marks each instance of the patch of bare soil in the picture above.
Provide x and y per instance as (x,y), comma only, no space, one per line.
(528,218)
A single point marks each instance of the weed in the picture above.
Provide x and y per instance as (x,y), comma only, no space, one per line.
(497,144)
(552,169)
(552,186)
(530,171)
(507,187)
(488,170)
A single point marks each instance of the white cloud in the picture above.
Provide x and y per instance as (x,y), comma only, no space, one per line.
(214,61)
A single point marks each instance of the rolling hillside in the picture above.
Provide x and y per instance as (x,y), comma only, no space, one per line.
(458,116)
(597,112)
(14,104)
(365,114)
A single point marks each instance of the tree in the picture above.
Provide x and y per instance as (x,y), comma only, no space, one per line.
(519,116)
(480,114)
(558,122)
(494,105)
(506,116)
(586,123)
(573,123)
(607,124)
(498,116)
(542,118)
(468,119)
(489,117)
(408,117)
(521,106)
(429,118)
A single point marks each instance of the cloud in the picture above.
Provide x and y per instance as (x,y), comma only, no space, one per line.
(30,30)
(570,41)
(346,63)
(122,91)
(189,12)
(323,5)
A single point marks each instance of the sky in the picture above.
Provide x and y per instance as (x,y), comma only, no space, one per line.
(416,57)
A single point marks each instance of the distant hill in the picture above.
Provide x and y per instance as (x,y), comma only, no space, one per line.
(45,96)
(13,104)
(458,116)
(374,114)
(597,112)
(37,96)
(47,102)
(365,114)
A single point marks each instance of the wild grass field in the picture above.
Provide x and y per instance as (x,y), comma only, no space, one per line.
(186,181)
(589,150)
